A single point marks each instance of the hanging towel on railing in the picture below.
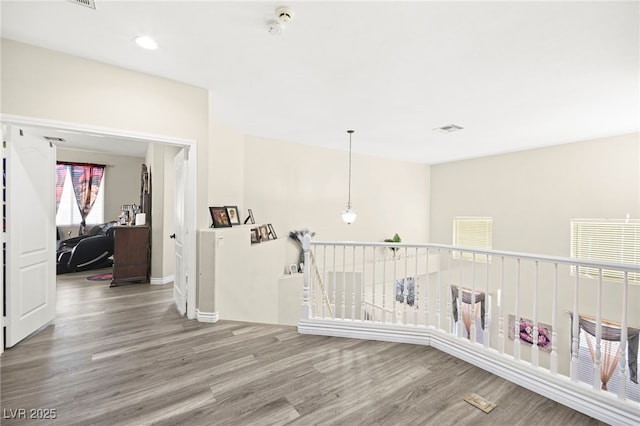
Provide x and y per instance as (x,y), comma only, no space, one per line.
(613,333)
(466,298)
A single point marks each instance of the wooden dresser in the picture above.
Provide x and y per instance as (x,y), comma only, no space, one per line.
(130,254)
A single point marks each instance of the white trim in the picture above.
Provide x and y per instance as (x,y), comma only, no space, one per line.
(190,189)
(578,396)
(20,120)
(207,316)
(160,281)
(190,224)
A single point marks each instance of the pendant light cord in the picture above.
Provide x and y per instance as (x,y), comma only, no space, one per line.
(349,202)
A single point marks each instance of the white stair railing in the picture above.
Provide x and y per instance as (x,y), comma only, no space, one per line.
(406,295)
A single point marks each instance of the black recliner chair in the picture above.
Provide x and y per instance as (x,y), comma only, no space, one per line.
(87,252)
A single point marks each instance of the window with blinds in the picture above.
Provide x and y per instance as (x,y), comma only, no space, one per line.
(616,241)
(473,232)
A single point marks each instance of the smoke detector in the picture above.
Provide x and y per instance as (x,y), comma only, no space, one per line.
(285,14)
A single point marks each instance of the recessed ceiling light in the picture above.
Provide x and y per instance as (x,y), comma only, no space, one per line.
(146,42)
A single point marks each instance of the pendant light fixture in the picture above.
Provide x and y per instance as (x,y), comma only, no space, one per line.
(349,216)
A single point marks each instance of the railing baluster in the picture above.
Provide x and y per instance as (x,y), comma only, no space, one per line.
(353,285)
(459,301)
(363,281)
(416,293)
(516,314)
(384,288)
(405,289)
(534,346)
(344,282)
(488,306)
(394,281)
(554,322)
(373,286)
(597,381)
(622,392)
(500,309)
(306,244)
(313,284)
(325,296)
(427,282)
(575,329)
(472,328)
(335,285)
(438,285)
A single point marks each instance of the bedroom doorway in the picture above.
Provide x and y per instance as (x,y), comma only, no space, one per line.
(96,137)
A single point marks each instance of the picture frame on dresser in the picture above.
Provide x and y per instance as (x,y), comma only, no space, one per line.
(233,215)
(219,217)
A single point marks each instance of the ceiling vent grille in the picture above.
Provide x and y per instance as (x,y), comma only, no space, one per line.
(88,3)
(53,139)
(449,128)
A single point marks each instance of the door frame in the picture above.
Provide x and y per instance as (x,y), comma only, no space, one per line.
(190,186)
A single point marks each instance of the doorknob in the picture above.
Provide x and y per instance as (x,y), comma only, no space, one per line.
(172,236)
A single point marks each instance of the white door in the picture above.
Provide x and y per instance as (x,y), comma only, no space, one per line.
(30,263)
(180,280)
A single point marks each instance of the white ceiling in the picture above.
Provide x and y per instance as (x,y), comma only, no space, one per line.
(516,75)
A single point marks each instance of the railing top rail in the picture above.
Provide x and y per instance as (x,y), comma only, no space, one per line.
(499,253)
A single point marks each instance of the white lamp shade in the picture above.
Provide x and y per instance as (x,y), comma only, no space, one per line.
(349,216)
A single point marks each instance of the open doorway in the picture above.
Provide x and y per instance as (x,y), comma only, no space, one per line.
(100,139)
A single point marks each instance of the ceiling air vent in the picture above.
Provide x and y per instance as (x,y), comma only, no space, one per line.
(449,128)
(53,139)
(87,3)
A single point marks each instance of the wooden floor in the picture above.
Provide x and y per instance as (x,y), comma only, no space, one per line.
(123,356)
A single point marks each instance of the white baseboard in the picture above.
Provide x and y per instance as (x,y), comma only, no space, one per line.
(578,396)
(160,281)
(207,316)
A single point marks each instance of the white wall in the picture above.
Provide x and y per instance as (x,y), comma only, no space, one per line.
(226,164)
(533,195)
(121,177)
(295,186)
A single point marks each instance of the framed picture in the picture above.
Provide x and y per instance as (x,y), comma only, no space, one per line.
(255,236)
(219,217)
(233,215)
(272,232)
(250,218)
(526,332)
(293,268)
(264,233)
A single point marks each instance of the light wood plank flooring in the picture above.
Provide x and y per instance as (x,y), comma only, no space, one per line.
(123,356)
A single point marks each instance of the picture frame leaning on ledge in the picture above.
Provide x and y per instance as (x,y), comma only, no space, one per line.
(219,217)
(233,215)
(272,232)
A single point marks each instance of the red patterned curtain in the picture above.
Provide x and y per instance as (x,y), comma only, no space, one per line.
(61,174)
(86,180)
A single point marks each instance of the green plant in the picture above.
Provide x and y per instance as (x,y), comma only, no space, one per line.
(395,239)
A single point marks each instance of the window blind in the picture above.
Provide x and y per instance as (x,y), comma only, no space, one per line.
(473,232)
(616,241)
